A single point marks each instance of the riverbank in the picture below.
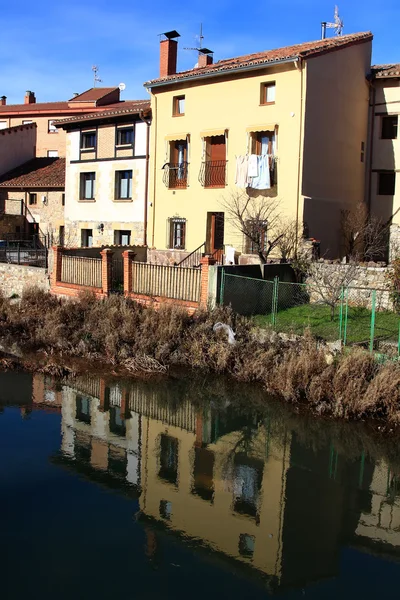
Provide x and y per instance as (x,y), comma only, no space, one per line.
(118,335)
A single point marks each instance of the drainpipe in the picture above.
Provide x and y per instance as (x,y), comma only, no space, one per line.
(371,144)
(154,169)
(146,183)
(299,66)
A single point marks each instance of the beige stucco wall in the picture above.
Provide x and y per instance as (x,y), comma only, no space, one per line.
(16,147)
(113,214)
(45,140)
(336,121)
(218,103)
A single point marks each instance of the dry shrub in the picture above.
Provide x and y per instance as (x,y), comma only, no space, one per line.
(382,396)
(350,382)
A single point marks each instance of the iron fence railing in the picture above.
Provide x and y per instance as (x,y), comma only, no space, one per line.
(81,271)
(22,255)
(213,173)
(176,175)
(193,259)
(180,283)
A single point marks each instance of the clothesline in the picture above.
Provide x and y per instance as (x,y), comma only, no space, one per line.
(253,170)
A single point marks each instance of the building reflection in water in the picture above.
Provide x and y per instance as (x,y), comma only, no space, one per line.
(246,487)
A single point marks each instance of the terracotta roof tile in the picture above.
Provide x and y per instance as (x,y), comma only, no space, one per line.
(120,108)
(37,106)
(305,50)
(36,173)
(383,71)
(93,94)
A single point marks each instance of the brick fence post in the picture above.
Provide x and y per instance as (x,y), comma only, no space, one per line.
(106,270)
(57,265)
(128,256)
(205,263)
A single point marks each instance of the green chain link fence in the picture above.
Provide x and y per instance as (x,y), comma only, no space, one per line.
(354,315)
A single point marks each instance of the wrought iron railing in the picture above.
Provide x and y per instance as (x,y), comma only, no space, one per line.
(193,259)
(179,283)
(81,271)
(213,173)
(21,255)
(175,175)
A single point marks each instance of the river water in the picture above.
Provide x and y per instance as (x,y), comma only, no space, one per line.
(178,489)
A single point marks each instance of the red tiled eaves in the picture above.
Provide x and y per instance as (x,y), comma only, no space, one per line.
(43,173)
(382,71)
(129,107)
(93,94)
(299,51)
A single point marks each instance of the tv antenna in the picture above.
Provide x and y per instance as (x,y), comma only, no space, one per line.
(200,38)
(96,78)
(337,24)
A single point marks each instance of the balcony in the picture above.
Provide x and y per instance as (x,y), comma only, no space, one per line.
(213,174)
(175,175)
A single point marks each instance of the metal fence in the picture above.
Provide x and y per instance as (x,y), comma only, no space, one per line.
(20,255)
(180,283)
(81,271)
(354,315)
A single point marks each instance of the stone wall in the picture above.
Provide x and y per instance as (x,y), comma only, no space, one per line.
(14,279)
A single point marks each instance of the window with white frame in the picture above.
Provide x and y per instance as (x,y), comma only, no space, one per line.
(177,233)
(123,185)
(87,186)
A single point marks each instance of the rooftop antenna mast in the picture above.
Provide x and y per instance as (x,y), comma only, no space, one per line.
(200,38)
(96,78)
(337,25)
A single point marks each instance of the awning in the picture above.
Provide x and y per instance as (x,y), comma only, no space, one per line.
(212,132)
(173,137)
(263,127)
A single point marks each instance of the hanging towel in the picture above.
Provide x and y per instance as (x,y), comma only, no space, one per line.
(241,171)
(253,166)
(263,181)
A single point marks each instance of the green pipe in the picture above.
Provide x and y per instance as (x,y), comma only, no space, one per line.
(372,332)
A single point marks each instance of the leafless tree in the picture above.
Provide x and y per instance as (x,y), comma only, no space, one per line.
(289,242)
(364,237)
(258,219)
(326,284)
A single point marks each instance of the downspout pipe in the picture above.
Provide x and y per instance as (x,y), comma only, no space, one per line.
(146,182)
(300,66)
(371,143)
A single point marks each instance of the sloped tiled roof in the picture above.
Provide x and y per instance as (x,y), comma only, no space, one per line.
(382,71)
(128,107)
(35,107)
(305,50)
(36,173)
(93,94)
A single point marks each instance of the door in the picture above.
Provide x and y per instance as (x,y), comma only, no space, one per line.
(215,233)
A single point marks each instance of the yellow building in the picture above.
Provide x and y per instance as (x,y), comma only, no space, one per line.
(107,157)
(384,184)
(299,112)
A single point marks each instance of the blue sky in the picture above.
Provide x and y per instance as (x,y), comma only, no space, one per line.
(49,47)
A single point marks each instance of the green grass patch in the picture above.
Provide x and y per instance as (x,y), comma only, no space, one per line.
(318,318)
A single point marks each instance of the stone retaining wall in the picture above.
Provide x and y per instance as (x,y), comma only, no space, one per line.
(15,278)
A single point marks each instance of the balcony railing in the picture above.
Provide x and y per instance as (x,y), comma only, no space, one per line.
(213,173)
(175,175)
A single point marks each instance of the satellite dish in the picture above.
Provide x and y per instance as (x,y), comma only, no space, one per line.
(122,86)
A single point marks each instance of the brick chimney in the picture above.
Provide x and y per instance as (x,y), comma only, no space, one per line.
(204,60)
(29,97)
(168,53)
(3,100)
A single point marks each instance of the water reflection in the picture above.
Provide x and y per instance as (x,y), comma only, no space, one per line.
(249,487)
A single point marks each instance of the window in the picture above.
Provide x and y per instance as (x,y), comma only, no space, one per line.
(52,153)
(123,185)
(213,172)
(88,140)
(86,238)
(176,172)
(87,186)
(125,136)
(3,124)
(256,238)
(386,183)
(264,143)
(27,122)
(32,199)
(177,233)
(122,237)
(178,106)
(62,199)
(52,127)
(268,93)
(389,127)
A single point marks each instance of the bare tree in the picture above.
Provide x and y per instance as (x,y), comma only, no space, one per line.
(326,284)
(258,219)
(364,237)
(291,235)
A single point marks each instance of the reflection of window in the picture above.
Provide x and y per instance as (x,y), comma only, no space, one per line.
(168,459)
(117,461)
(123,185)
(87,186)
(256,239)
(165,510)
(125,136)
(246,545)
(88,140)
(247,484)
(203,484)
(386,183)
(177,233)
(268,92)
(178,106)
(389,127)
(82,447)
(117,423)
(83,409)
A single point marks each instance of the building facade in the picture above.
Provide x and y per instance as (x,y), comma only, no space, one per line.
(383,195)
(106,177)
(51,140)
(300,113)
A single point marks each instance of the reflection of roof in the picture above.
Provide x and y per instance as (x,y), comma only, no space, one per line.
(383,71)
(128,107)
(260,59)
(36,173)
